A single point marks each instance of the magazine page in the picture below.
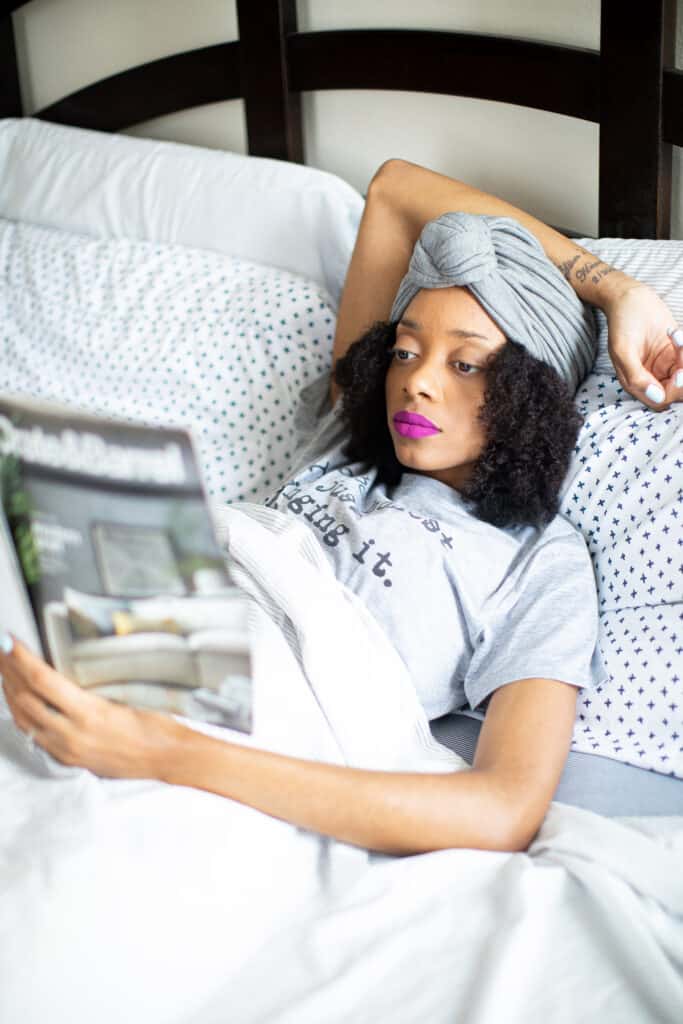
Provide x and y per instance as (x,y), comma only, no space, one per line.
(131,593)
(16,614)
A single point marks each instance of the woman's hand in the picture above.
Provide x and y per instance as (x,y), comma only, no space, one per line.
(647,359)
(79,728)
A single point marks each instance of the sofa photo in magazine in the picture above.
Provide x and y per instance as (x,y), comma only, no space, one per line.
(110,546)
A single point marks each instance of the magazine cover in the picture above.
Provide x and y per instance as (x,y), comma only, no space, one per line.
(115,547)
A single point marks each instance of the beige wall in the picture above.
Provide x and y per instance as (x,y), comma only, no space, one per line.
(540,161)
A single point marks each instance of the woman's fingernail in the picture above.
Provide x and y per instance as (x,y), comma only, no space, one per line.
(6,643)
(654,393)
(678,379)
(676,335)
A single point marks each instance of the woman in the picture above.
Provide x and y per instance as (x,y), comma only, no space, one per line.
(523,745)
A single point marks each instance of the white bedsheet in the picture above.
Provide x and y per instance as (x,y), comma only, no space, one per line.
(136,901)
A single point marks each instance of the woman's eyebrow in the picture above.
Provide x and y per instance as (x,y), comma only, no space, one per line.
(413,325)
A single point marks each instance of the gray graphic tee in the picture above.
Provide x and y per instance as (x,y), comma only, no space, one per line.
(469,606)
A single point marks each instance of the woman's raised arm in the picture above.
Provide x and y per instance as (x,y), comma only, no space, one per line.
(403,197)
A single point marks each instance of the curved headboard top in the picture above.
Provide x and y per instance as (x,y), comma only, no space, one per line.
(629,87)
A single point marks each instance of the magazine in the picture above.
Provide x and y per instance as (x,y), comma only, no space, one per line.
(110,567)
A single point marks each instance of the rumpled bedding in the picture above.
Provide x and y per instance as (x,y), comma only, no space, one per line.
(136,901)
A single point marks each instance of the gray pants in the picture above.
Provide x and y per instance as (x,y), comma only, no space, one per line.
(596,783)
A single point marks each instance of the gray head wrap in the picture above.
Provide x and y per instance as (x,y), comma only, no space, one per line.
(506,270)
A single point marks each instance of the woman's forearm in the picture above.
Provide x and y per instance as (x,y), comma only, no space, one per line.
(420,195)
(492,807)
(392,812)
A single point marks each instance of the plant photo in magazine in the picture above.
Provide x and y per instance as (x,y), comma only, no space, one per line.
(111,537)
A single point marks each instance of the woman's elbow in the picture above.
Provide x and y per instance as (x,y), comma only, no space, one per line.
(519,842)
(517,820)
(389,169)
(518,824)
(389,177)
(509,828)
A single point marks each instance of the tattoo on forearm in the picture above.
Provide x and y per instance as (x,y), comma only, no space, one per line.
(603,272)
(583,272)
(565,268)
(593,269)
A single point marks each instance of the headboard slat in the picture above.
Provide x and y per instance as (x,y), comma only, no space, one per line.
(672,119)
(272,108)
(10,93)
(562,79)
(635,164)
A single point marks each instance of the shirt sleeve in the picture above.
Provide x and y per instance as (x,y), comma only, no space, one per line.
(546,629)
(317,424)
(314,403)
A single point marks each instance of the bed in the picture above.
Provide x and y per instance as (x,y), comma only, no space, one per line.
(137,901)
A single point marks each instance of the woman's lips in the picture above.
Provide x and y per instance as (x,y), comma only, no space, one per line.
(411,424)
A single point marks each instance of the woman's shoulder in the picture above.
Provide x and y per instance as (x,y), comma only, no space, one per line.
(562,529)
(559,533)
(560,549)
(545,557)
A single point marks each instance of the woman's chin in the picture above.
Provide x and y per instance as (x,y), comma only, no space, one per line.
(409,459)
(453,476)
(413,455)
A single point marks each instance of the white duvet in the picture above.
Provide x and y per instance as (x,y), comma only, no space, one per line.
(136,901)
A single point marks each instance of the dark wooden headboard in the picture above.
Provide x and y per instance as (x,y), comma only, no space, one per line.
(630,87)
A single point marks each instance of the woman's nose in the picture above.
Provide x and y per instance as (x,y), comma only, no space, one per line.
(424,379)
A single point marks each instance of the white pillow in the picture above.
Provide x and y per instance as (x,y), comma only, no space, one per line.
(624,492)
(114,186)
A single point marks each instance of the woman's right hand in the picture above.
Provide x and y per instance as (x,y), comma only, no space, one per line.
(647,360)
(79,728)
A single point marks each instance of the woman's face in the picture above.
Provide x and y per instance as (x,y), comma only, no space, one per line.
(437,369)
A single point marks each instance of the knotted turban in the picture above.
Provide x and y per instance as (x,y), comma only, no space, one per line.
(506,270)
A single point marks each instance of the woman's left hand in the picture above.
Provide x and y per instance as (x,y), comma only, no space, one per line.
(647,359)
(79,728)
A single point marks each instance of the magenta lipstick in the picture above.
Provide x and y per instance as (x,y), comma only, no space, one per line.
(411,424)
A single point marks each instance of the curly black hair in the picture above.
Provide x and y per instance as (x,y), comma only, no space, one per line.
(530,421)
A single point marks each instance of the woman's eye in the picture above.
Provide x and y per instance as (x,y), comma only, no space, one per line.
(397,353)
(403,355)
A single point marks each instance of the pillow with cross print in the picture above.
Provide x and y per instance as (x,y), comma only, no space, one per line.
(625,493)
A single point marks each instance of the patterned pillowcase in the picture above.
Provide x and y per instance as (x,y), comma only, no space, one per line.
(624,492)
(166,335)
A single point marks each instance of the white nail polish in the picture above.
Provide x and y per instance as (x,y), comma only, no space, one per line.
(6,643)
(678,379)
(654,393)
(676,335)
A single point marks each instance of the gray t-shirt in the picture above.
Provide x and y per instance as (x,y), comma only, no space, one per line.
(469,606)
